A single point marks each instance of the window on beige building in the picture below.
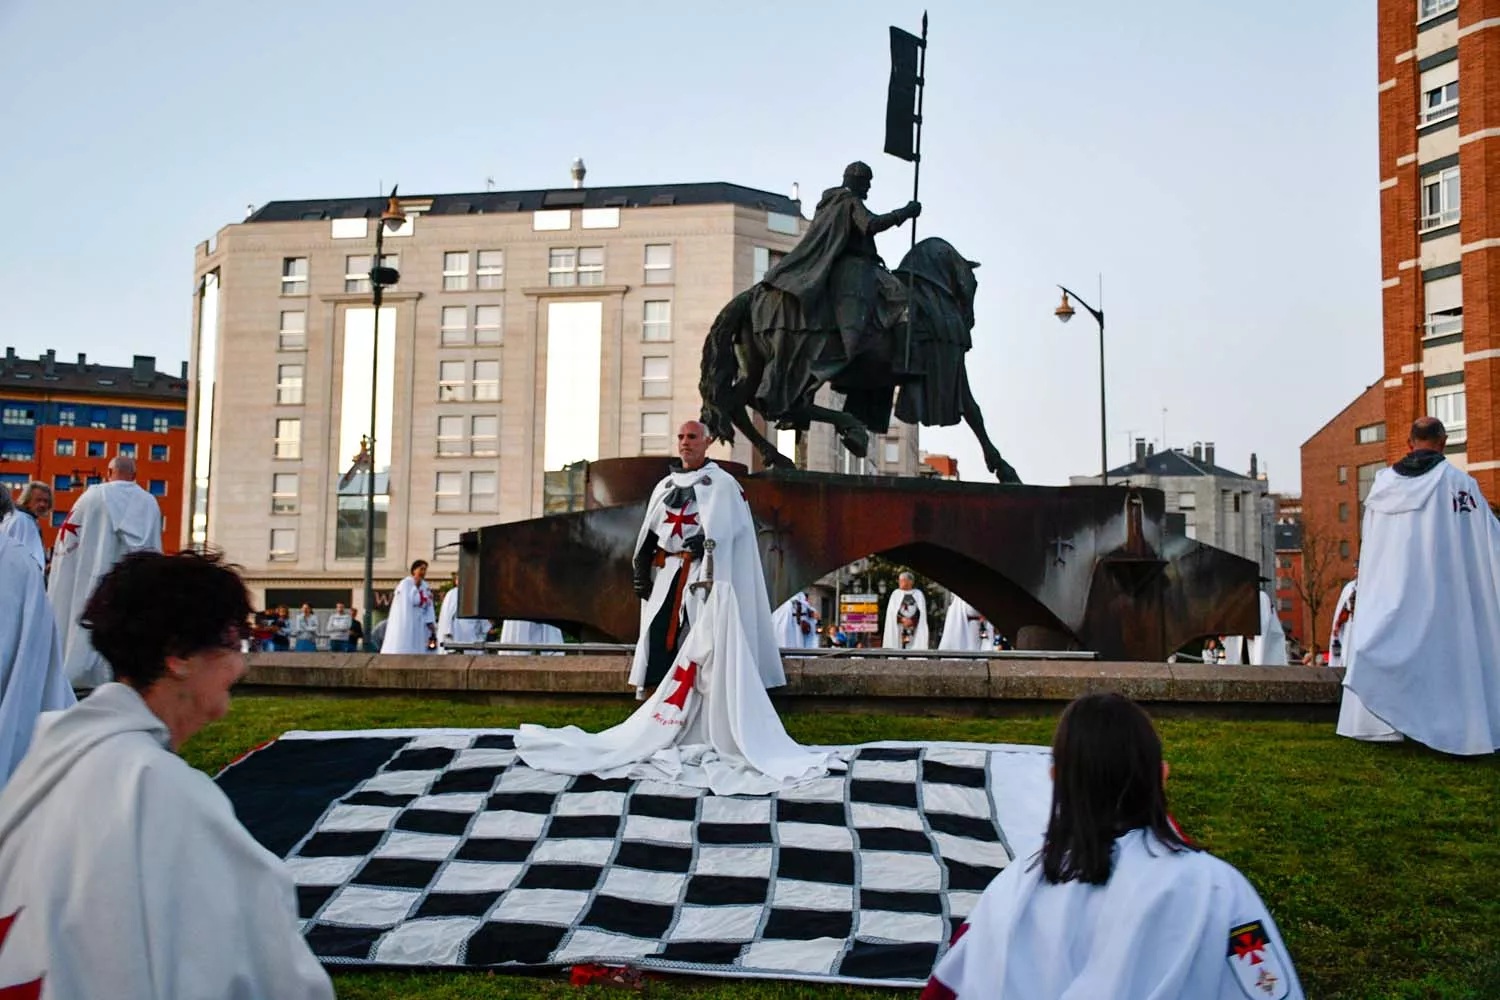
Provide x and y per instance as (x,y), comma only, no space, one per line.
(453,326)
(484,435)
(1439,103)
(288,443)
(1450,405)
(1432,8)
(658,263)
(283,544)
(656,378)
(591,265)
(294,276)
(451,381)
(656,323)
(445,543)
(1187,501)
(293,336)
(1440,199)
(456,271)
(486,381)
(357,270)
(284,493)
(487,325)
(490,269)
(448,491)
(562,267)
(655,434)
(484,495)
(450,436)
(289,385)
(892,451)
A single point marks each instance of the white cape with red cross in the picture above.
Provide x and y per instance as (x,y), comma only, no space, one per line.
(710,724)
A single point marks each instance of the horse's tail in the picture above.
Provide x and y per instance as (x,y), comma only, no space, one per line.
(721,366)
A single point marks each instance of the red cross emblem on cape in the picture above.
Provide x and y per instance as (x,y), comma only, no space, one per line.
(20,991)
(423,598)
(1255,962)
(678,518)
(68,535)
(685,679)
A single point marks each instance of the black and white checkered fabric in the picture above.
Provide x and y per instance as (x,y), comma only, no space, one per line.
(440,848)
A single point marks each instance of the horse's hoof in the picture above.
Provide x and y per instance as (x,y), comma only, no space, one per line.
(776,460)
(856,440)
(1003,471)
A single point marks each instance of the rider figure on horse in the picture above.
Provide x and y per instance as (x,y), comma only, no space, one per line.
(838,279)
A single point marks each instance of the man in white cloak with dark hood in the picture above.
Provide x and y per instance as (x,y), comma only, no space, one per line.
(707,646)
(32,680)
(796,623)
(906,616)
(963,628)
(111,520)
(1423,656)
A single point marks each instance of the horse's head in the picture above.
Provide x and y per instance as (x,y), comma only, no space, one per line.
(936,261)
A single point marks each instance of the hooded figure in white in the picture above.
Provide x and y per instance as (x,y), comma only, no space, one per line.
(906,616)
(1266,649)
(452,628)
(413,620)
(963,628)
(110,521)
(796,623)
(1424,652)
(32,680)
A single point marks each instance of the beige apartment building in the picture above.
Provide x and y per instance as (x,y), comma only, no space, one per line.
(529,331)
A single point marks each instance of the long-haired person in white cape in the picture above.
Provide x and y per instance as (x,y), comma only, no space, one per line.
(1117,903)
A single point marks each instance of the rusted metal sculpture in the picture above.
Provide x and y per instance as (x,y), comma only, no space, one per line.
(1080,567)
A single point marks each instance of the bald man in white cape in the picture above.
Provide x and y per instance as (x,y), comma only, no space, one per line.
(110,521)
(32,680)
(908,596)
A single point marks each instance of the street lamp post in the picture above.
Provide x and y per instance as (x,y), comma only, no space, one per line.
(1064,312)
(380,276)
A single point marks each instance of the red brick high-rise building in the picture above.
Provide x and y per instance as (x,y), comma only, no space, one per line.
(1439,73)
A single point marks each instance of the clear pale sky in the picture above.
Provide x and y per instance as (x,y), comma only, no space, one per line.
(1216,163)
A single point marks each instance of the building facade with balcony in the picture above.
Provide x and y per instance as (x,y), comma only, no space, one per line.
(530,331)
(62,421)
(1439,94)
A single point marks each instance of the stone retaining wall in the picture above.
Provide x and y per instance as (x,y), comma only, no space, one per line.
(834,682)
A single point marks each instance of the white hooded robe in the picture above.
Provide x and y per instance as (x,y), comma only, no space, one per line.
(1425,657)
(788,624)
(1341,657)
(22,527)
(1268,648)
(963,627)
(892,636)
(107,523)
(452,628)
(522,633)
(128,874)
(406,630)
(32,679)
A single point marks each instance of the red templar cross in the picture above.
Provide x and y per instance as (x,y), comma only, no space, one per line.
(1249,944)
(69,527)
(685,679)
(20,991)
(678,518)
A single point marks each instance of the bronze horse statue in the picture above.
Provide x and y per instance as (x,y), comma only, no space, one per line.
(757,358)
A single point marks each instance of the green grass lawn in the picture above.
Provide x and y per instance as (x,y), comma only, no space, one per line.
(1380,863)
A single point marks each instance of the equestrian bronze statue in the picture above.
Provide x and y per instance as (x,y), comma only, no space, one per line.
(830,313)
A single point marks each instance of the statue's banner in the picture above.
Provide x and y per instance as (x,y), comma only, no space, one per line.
(901,97)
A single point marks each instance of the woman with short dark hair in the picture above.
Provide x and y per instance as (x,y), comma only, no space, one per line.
(412,626)
(1117,904)
(123,871)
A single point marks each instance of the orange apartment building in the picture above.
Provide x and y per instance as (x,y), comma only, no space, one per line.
(1439,96)
(61,422)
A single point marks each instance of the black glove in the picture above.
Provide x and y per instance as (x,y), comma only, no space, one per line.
(640,567)
(694,544)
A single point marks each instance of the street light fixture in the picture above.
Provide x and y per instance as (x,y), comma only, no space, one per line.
(1064,312)
(380,277)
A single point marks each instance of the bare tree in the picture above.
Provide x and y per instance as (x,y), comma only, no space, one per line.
(1315,581)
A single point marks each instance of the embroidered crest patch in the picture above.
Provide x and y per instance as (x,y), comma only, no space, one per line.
(1256,964)
(1463,502)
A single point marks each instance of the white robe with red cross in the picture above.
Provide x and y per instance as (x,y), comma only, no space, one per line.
(413,618)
